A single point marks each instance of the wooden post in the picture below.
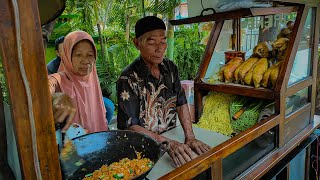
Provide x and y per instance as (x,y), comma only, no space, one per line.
(284,75)
(216,170)
(20,28)
(315,59)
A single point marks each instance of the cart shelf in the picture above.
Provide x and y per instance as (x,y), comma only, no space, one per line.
(236,89)
(242,13)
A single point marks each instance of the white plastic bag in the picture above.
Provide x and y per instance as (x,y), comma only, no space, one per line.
(230,5)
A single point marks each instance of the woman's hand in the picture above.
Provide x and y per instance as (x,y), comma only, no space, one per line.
(63,109)
(198,146)
(180,153)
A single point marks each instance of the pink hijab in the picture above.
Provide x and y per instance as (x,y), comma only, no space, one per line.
(84,90)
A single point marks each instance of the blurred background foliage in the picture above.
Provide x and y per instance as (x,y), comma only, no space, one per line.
(111,24)
(116,20)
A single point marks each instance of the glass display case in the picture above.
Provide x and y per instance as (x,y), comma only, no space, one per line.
(281,40)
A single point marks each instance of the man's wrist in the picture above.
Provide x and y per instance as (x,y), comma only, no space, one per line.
(161,138)
(189,137)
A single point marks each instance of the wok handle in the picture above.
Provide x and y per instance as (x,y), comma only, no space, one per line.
(164,146)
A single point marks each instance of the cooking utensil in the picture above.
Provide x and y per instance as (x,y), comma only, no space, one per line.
(102,148)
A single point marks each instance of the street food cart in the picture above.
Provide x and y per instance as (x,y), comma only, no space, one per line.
(238,156)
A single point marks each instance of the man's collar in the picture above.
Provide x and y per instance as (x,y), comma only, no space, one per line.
(144,71)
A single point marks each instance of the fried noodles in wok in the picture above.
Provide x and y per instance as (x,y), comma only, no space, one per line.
(124,169)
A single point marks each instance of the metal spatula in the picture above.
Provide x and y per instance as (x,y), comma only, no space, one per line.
(70,161)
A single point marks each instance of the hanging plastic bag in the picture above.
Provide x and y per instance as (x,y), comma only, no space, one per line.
(230,5)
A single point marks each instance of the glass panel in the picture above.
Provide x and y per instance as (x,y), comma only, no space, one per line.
(296,101)
(239,161)
(218,58)
(204,175)
(302,64)
(253,31)
(262,29)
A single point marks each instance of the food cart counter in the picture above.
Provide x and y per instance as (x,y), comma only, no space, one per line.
(165,164)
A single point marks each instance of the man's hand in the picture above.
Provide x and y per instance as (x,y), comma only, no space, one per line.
(63,109)
(198,146)
(180,153)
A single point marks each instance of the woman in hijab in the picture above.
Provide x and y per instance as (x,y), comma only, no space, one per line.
(75,89)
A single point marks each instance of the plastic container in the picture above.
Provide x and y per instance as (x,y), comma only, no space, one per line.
(232,54)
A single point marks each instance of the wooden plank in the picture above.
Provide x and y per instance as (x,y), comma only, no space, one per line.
(315,59)
(299,86)
(313,3)
(269,161)
(237,89)
(214,36)
(204,161)
(238,26)
(198,95)
(282,81)
(292,48)
(216,170)
(237,14)
(299,111)
(45,163)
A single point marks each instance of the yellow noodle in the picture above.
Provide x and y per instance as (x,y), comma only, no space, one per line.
(126,167)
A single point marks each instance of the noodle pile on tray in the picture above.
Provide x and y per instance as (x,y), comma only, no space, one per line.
(124,169)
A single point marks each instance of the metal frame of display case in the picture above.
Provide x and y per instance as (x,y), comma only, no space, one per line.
(288,136)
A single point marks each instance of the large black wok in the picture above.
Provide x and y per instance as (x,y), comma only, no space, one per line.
(102,148)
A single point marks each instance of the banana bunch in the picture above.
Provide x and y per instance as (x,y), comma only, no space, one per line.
(253,72)
(226,73)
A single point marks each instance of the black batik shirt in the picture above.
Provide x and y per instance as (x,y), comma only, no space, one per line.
(147,101)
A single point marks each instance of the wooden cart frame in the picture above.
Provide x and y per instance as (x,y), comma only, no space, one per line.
(288,136)
(21,41)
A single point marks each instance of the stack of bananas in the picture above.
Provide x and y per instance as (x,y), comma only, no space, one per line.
(263,67)
(254,71)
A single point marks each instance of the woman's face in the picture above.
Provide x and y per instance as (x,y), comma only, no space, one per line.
(83,58)
(153,47)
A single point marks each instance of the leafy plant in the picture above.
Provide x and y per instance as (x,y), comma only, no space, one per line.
(188,51)
(119,55)
(3,83)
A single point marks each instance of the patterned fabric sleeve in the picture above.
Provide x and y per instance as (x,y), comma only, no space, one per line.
(181,97)
(128,104)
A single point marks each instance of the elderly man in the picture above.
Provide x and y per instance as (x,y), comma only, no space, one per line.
(150,95)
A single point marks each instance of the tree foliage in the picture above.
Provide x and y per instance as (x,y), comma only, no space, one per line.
(115,16)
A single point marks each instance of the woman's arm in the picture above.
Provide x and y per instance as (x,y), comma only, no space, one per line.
(62,105)
(53,84)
